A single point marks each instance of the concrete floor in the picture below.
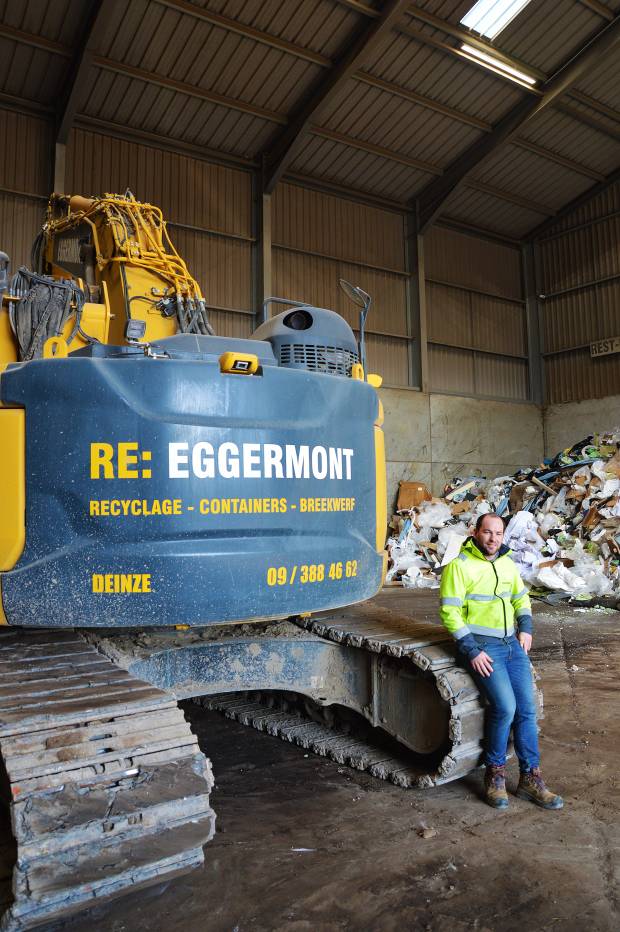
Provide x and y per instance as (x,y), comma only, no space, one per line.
(304,845)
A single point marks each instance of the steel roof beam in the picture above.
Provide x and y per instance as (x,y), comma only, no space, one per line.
(599,8)
(586,119)
(36,42)
(371,80)
(373,149)
(427,102)
(463,36)
(431,201)
(76,84)
(279,156)
(248,32)
(551,156)
(150,77)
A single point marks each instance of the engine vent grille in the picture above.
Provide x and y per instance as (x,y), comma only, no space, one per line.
(329,359)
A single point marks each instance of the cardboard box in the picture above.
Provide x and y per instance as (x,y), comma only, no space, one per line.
(411,494)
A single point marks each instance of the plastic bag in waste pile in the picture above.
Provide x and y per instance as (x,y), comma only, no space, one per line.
(562,522)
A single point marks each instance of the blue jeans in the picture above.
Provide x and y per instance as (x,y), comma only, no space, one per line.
(510,695)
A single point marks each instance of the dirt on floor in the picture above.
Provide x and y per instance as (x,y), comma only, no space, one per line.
(304,845)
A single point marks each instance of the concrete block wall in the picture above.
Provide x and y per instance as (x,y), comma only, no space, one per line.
(565,424)
(432,437)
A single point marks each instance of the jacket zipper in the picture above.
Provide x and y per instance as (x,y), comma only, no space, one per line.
(502,601)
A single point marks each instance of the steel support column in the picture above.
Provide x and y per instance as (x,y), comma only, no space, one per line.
(262,280)
(60,157)
(417,307)
(532,313)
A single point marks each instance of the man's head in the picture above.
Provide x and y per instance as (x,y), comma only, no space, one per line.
(489,534)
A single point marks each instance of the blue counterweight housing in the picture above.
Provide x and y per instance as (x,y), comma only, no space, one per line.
(162,487)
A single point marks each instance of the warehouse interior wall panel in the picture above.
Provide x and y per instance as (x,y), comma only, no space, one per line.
(208,207)
(499,326)
(222,267)
(231,323)
(319,239)
(25,182)
(25,164)
(311,221)
(475,303)
(315,279)
(389,358)
(500,377)
(574,376)
(578,318)
(474,262)
(451,370)
(578,283)
(580,256)
(190,191)
(20,221)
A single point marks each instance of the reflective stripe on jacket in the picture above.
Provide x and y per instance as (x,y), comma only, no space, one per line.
(480,596)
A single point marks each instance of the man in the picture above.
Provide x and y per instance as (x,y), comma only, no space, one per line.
(482,597)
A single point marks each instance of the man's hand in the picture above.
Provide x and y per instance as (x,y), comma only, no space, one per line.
(483,664)
(525,640)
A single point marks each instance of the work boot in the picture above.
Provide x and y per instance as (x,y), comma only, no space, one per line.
(495,787)
(532,786)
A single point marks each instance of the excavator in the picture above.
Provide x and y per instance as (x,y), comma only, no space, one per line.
(186,515)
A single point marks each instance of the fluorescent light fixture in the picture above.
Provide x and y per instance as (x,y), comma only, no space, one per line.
(489,17)
(497,65)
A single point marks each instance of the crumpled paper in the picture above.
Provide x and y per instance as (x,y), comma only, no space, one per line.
(562,522)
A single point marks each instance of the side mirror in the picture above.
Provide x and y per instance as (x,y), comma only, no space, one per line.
(363,300)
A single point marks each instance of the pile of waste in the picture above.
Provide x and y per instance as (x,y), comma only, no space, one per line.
(562,523)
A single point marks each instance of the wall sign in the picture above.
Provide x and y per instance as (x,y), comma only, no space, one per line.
(605,347)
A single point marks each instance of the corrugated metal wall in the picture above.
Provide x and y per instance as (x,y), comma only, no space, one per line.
(318,239)
(25,179)
(475,316)
(208,206)
(578,283)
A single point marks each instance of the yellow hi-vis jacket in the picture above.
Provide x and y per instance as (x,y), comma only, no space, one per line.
(480,596)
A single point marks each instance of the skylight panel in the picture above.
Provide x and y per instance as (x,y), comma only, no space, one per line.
(489,17)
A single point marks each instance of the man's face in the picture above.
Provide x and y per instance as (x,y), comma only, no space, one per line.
(490,536)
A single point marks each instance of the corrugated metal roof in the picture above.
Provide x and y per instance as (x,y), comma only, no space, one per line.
(378,117)
(527,175)
(603,82)
(567,137)
(160,40)
(484,210)
(331,161)
(58,20)
(30,73)
(182,56)
(449,80)
(127,101)
(323,26)
(607,202)
(549,32)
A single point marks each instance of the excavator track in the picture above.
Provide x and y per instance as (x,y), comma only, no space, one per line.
(425,646)
(107,787)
